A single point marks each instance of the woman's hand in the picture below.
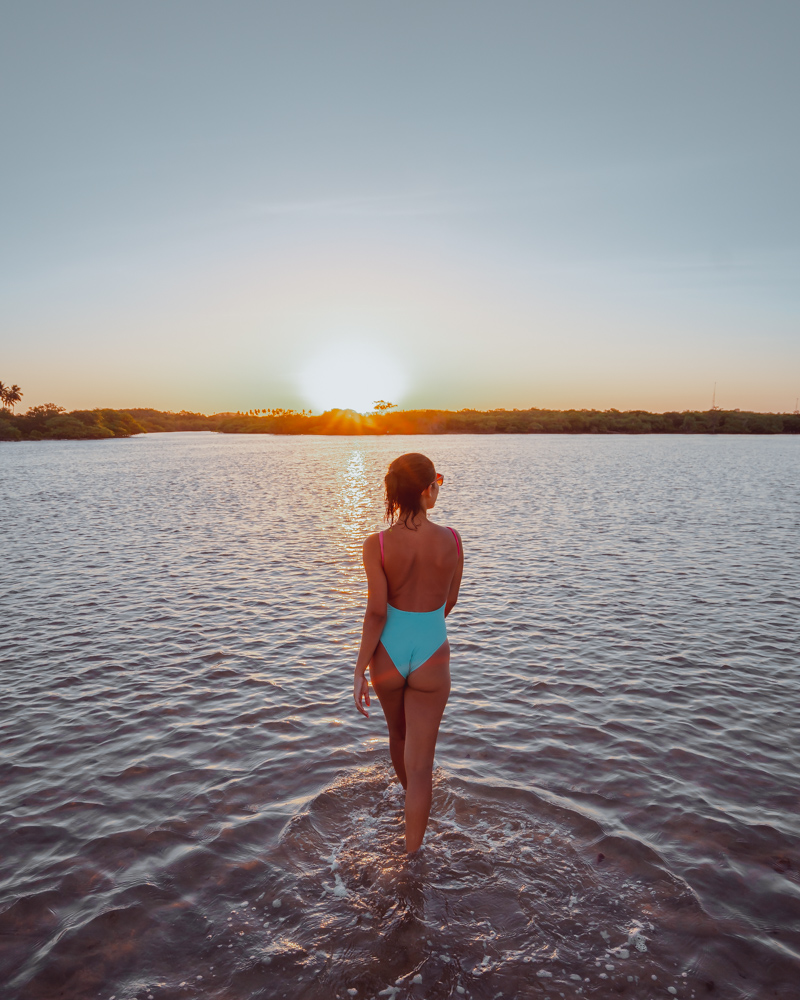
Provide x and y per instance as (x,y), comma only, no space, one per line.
(361,692)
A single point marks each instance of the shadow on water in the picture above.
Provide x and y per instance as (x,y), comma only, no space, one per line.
(513,895)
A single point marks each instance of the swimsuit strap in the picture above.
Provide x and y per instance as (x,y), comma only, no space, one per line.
(380,539)
(454,536)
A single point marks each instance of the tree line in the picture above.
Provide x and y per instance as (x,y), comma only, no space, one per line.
(52,421)
(500,421)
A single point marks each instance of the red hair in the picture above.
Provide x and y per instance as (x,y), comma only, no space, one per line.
(407,478)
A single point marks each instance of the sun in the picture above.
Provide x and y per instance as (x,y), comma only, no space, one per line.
(351,377)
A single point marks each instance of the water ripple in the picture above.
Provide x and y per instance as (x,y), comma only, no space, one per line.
(191,807)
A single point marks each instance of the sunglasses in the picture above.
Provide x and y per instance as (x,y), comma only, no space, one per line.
(439,479)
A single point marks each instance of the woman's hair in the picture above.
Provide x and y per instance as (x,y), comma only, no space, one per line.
(407,477)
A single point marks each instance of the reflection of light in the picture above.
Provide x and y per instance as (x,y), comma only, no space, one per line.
(354,500)
(350,376)
(356,513)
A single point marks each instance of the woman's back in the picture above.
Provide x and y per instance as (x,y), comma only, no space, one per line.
(419,564)
(413,575)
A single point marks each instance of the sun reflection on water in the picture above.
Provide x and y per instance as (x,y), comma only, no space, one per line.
(356,513)
(354,504)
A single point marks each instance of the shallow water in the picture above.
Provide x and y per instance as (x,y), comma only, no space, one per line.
(191,806)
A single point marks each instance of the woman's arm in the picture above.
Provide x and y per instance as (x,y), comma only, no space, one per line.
(374,620)
(452,597)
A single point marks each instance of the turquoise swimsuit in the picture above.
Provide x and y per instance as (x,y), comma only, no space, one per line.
(412,637)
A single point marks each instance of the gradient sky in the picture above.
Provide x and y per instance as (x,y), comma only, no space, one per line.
(218,206)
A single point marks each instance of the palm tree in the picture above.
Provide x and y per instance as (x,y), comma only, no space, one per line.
(9,395)
(13,396)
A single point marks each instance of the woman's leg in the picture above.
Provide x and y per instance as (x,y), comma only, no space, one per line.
(389,684)
(426,693)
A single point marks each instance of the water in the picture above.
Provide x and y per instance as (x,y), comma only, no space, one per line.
(192,807)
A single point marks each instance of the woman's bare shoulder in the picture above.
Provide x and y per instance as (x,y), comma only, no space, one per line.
(450,531)
(371,554)
(371,541)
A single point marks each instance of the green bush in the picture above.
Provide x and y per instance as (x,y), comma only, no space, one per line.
(36,419)
(8,432)
(65,426)
(765,423)
(791,423)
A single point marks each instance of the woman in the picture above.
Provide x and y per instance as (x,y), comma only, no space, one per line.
(413,572)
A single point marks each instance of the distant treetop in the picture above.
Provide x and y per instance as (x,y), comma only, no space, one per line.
(10,395)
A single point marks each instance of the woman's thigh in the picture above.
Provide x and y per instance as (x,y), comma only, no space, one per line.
(389,684)
(425,696)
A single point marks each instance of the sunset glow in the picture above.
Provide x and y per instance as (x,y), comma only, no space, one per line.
(351,376)
(558,208)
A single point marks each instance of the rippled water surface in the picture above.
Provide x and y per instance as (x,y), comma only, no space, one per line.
(192,807)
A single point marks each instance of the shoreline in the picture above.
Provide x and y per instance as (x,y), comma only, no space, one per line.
(54,423)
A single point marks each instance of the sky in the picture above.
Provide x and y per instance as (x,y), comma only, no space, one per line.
(219,206)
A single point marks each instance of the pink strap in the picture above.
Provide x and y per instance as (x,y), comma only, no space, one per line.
(380,538)
(456,538)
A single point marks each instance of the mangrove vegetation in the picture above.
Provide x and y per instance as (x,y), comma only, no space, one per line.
(53,422)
